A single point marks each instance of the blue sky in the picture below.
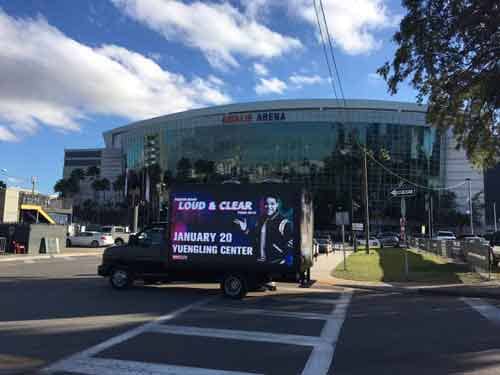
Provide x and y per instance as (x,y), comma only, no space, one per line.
(73,69)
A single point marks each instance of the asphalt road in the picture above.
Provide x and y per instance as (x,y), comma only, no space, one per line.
(57,316)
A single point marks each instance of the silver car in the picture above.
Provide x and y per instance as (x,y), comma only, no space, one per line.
(90,239)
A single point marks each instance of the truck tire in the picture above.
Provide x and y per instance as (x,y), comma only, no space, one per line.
(119,242)
(234,286)
(120,278)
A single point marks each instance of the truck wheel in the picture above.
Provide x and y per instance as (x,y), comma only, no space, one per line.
(120,278)
(119,242)
(94,244)
(234,286)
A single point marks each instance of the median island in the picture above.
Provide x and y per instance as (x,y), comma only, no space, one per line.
(387,265)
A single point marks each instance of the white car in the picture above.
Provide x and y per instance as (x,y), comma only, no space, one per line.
(372,242)
(445,235)
(90,239)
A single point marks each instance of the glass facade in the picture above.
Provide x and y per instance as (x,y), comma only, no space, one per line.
(325,156)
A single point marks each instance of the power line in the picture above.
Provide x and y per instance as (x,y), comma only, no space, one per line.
(332,81)
(411,182)
(332,52)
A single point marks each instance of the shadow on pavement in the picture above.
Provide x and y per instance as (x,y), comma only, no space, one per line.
(420,269)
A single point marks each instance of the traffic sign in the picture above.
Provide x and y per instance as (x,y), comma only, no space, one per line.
(342,218)
(358,227)
(403,192)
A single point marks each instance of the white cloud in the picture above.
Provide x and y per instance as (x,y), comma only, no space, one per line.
(260,69)
(48,78)
(256,8)
(218,29)
(270,86)
(352,24)
(300,80)
(7,135)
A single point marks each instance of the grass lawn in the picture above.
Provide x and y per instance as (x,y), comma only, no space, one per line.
(387,265)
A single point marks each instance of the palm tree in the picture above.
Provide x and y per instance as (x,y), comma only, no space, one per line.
(93,171)
(96,186)
(119,183)
(184,167)
(78,174)
(105,186)
(61,187)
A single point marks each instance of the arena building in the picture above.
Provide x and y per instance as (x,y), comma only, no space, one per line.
(318,143)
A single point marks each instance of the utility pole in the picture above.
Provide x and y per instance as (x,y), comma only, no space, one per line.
(470,207)
(33,183)
(365,179)
(495,215)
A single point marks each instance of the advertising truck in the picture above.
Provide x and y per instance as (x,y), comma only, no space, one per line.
(240,235)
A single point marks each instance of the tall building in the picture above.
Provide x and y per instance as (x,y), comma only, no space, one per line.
(108,160)
(492,195)
(319,143)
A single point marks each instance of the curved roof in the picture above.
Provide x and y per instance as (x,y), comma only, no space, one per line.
(276,105)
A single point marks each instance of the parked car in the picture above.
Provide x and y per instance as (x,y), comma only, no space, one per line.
(324,245)
(90,239)
(472,238)
(389,239)
(445,235)
(373,242)
(495,247)
(120,234)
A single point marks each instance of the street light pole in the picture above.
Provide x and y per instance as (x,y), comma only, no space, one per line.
(367,219)
(495,215)
(470,207)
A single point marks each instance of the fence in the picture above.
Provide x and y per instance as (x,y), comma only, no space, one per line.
(475,253)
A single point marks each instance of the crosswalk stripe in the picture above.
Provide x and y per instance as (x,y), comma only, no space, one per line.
(266,312)
(490,312)
(321,358)
(239,335)
(104,366)
(85,354)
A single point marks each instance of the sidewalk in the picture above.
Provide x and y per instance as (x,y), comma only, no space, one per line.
(325,264)
(67,252)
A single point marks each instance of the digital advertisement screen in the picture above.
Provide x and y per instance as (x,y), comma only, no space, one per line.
(233,226)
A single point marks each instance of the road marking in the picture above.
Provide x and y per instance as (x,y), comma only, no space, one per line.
(239,335)
(121,338)
(29,261)
(264,312)
(333,289)
(321,358)
(490,312)
(102,366)
(330,301)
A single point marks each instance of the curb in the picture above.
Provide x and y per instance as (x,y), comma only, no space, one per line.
(48,256)
(428,291)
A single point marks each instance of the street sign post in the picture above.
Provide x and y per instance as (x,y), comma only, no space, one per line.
(342,218)
(403,192)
